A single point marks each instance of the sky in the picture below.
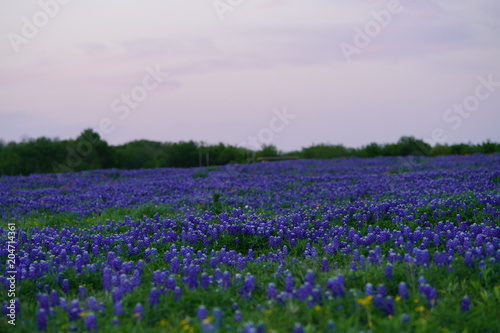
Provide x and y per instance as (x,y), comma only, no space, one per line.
(291,73)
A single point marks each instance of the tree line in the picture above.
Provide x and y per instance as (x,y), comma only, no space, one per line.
(88,151)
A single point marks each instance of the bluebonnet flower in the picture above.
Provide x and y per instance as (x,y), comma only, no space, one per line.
(309,277)
(106,278)
(218,317)
(289,285)
(297,328)
(379,301)
(138,311)
(336,286)
(82,292)
(44,302)
(405,318)
(204,280)
(54,298)
(381,290)
(389,306)
(226,279)
(91,322)
(177,294)
(238,316)
(174,266)
(202,313)
(330,328)
(465,304)
(154,296)
(403,290)
(369,289)
(302,293)
(92,304)
(248,286)
(388,272)
(41,319)
(271,291)
(117,308)
(65,286)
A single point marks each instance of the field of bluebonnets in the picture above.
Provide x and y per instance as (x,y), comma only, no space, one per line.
(346,245)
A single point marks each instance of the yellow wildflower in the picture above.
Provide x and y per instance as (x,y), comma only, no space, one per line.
(420,308)
(365,301)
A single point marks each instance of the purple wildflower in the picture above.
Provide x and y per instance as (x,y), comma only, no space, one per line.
(41,320)
(298,328)
(177,294)
(117,308)
(138,311)
(202,313)
(154,296)
(65,286)
(403,290)
(91,322)
(271,291)
(218,316)
(465,305)
(388,272)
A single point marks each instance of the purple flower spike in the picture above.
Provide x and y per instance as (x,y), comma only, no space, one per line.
(405,318)
(54,298)
(309,277)
(238,316)
(154,296)
(388,272)
(465,305)
(177,294)
(138,311)
(204,280)
(289,285)
(202,313)
(82,292)
(117,308)
(91,322)
(218,316)
(389,306)
(41,320)
(325,266)
(298,329)
(65,285)
(403,290)
(44,302)
(369,289)
(92,304)
(271,291)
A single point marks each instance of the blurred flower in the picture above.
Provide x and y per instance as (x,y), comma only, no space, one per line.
(365,301)
(91,322)
(41,320)
(465,304)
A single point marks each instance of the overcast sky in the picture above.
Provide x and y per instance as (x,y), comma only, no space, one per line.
(285,72)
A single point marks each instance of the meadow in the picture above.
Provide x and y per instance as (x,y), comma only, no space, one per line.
(385,244)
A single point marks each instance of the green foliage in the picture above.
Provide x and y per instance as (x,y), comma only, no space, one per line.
(268,151)
(323,151)
(88,151)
